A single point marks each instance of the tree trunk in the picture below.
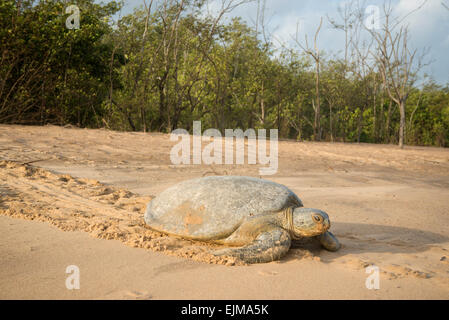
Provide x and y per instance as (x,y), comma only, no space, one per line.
(387,125)
(381,119)
(330,122)
(374,119)
(359,126)
(402,123)
(168,117)
(142,119)
(279,106)
(317,126)
(262,107)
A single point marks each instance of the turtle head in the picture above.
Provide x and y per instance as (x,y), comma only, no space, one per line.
(309,222)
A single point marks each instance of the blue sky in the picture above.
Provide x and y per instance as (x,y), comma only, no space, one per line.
(429,27)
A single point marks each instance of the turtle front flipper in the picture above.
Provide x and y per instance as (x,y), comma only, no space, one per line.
(329,241)
(268,246)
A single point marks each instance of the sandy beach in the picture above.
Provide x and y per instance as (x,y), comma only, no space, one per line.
(72,196)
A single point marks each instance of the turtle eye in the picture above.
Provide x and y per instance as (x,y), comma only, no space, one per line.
(317,218)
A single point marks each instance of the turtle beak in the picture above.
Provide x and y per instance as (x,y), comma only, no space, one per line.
(327,224)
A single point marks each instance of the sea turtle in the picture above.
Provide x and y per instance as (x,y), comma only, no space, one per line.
(255,218)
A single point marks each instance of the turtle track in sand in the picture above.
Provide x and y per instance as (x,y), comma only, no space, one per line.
(79,204)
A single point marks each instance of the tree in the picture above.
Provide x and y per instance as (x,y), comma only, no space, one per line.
(48,73)
(398,64)
(315,54)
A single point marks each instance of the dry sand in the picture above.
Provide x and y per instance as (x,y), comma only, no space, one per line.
(389,207)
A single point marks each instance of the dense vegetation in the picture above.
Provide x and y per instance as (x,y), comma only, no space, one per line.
(162,67)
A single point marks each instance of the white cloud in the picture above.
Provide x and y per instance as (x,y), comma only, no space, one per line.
(429,28)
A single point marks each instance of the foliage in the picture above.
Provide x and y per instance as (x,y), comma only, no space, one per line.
(163,68)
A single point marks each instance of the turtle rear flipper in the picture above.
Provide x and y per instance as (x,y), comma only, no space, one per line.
(268,246)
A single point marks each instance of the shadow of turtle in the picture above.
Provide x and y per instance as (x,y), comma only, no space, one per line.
(359,238)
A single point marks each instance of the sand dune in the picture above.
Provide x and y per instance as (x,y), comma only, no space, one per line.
(389,207)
